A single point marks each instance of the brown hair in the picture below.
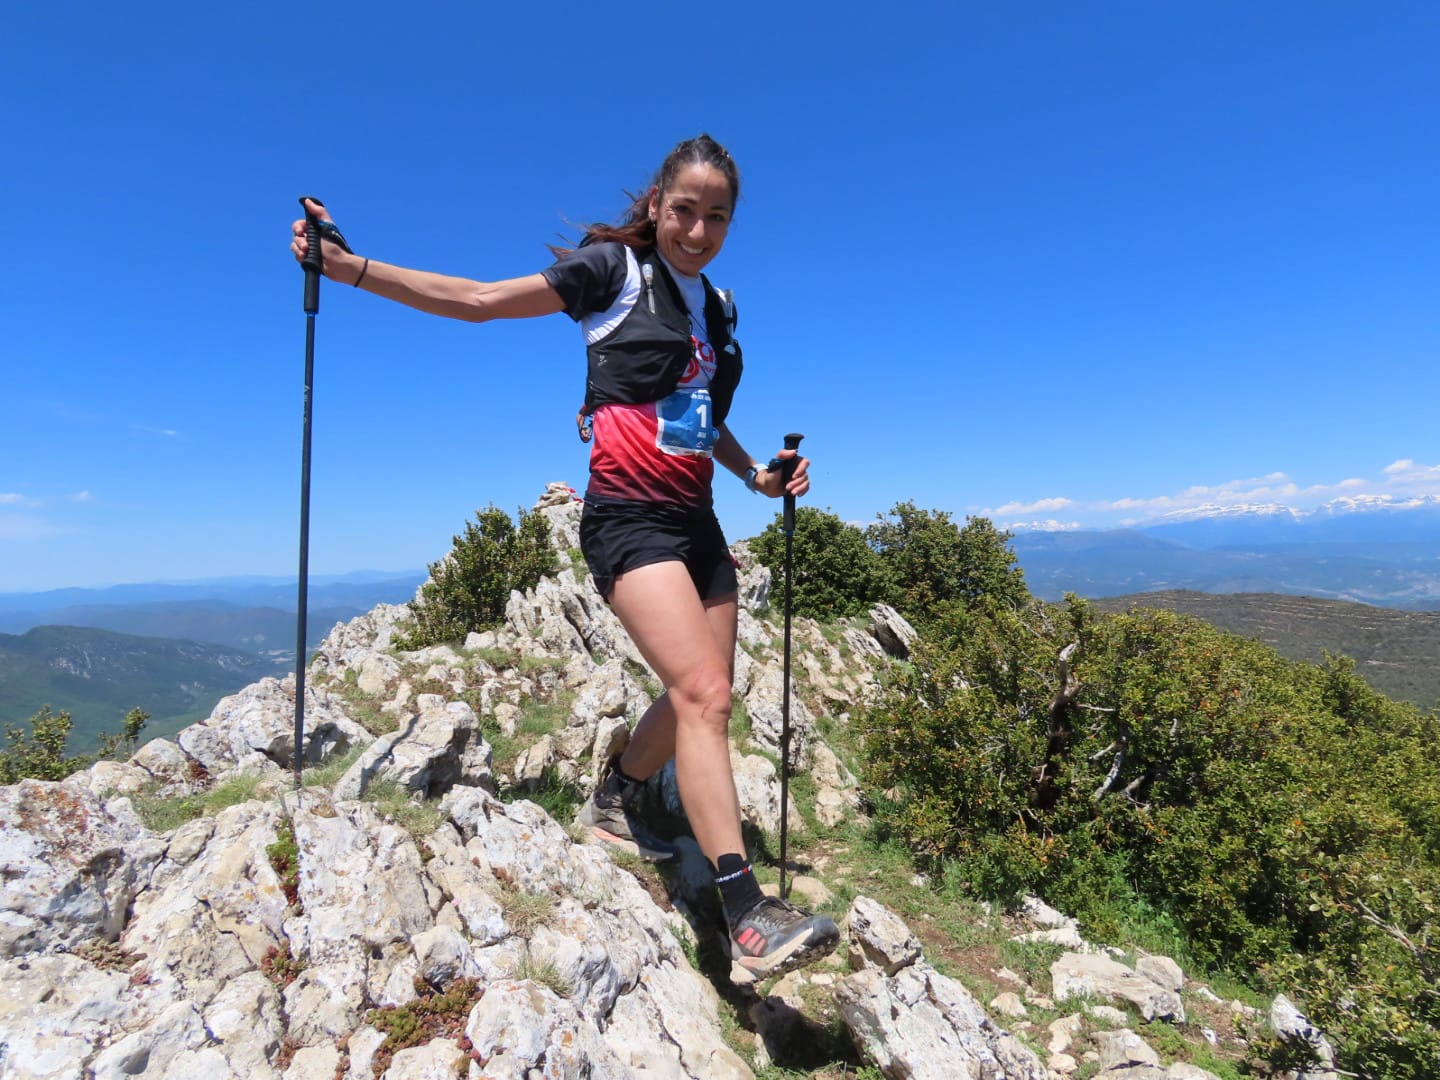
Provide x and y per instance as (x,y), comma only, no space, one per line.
(636,230)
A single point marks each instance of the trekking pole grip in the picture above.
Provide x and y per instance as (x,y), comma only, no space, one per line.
(787,470)
(313,263)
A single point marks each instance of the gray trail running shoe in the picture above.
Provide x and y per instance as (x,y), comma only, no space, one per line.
(774,937)
(613,818)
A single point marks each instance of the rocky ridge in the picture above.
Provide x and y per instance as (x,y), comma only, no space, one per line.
(414,912)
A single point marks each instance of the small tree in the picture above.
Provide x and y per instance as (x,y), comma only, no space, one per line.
(468,589)
(833,571)
(928,561)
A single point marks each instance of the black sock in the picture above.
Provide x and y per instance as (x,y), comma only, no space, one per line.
(738,888)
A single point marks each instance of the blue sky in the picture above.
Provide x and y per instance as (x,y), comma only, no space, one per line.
(1077,262)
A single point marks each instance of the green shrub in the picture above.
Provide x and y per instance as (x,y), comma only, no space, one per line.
(39,753)
(1284,817)
(833,572)
(928,562)
(468,589)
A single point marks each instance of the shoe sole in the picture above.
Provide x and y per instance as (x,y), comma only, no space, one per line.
(625,843)
(797,954)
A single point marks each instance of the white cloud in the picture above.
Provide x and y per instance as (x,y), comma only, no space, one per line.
(11,498)
(80,497)
(167,432)
(1048,525)
(1404,478)
(1040,506)
(1407,473)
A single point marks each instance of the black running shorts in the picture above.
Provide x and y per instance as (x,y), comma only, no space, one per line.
(617,536)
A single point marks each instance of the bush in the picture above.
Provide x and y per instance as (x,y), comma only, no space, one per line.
(1284,815)
(39,753)
(468,589)
(928,562)
(833,571)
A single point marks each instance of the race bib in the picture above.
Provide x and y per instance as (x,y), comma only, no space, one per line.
(686,423)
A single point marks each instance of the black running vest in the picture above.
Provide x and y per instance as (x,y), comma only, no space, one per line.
(643,359)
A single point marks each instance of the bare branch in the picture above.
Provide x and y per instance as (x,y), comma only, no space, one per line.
(1108,750)
(1110,778)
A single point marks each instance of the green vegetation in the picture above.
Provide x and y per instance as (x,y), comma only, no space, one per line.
(833,570)
(161,813)
(537,719)
(362,708)
(524,911)
(545,973)
(279,966)
(95,675)
(39,753)
(1394,650)
(419,817)
(468,589)
(284,856)
(325,773)
(918,561)
(930,563)
(433,1015)
(1149,772)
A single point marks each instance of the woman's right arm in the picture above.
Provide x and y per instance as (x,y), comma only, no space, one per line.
(438,294)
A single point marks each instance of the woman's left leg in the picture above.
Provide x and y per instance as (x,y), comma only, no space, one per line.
(652,743)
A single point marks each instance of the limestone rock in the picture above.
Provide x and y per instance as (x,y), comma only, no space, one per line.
(764,704)
(1082,974)
(1293,1026)
(891,630)
(878,938)
(1123,1048)
(254,730)
(922,1026)
(434,750)
(1162,971)
(72,865)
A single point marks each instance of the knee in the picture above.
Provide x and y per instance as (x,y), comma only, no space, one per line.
(704,698)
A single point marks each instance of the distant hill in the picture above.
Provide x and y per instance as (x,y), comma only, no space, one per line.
(97,676)
(361,590)
(257,615)
(1400,574)
(264,631)
(1395,651)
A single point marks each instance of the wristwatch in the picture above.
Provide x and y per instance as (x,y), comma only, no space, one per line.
(750,477)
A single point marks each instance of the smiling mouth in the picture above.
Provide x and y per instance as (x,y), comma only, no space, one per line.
(691,251)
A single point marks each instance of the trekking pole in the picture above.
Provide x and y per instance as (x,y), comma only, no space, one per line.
(787,470)
(312,265)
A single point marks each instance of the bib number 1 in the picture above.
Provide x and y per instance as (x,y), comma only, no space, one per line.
(686,423)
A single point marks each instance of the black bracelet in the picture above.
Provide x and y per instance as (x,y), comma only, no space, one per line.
(362,273)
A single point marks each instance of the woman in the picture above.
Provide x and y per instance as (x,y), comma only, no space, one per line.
(663,366)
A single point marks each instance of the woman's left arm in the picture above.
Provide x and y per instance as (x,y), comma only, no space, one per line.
(733,456)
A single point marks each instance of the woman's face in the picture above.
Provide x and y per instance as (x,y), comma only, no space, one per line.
(692,217)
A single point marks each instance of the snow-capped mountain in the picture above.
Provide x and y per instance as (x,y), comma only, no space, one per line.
(1376,549)
(1352,519)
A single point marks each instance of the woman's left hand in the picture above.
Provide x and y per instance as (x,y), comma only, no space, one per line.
(772,481)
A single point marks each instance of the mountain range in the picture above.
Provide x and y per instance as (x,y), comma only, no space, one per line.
(1371,551)
(172,649)
(97,676)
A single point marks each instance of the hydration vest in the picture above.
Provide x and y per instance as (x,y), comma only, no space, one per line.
(644,358)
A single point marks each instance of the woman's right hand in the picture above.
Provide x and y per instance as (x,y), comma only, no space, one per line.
(336,263)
